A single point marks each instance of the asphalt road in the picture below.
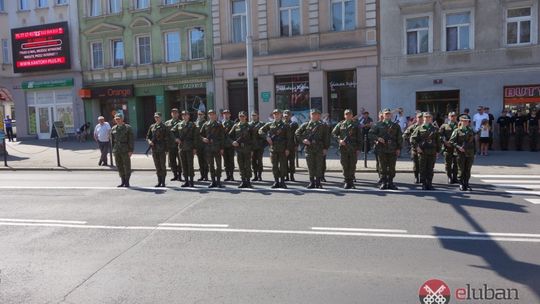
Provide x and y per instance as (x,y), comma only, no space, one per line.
(72,237)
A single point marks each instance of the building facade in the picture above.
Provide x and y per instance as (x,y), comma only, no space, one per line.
(143,56)
(448,55)
(41,64)
(307,54)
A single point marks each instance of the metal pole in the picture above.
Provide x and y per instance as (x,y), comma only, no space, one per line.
(5,152)
(366,145)
(110,152)
(249,58)
(57,152)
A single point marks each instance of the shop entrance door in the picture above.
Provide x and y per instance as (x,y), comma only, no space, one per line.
(44,120)
(149,108)
(238,97)
(439,103)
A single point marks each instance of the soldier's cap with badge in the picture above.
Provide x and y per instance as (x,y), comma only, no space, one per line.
(226,111)
(254,113)
(347,111)
(185,112)
(211,111)
(287,112)
(427,114)
(242,113)
(419,115)
(315,111)
(276,111)
(387,110)
(452,114)
(465,117)
(118,116)
(174,110)
(157,114)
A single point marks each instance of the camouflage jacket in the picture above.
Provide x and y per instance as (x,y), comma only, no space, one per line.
(228,125)
(243,134)
(160,137)
(188,135)
(258,143)
(215,132)
(170,124)
(317,133)
(446,131)
(427,138)
(279,133)
(293,126)
(390,132)
(463,137)
(122,138)
(350,132)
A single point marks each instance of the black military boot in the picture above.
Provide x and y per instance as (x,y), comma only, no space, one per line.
(282,183)
(163,181)
(175,177)
(158,182)
(122,184)
(255,176)
(417,178)
(248,183)
(384,184)
(242,184)
(287,177)
(202,177)
(311,184)
(454,178)
(191,183)
(218,183)
(318,182)
(228,177)
(126,182)
(450,179)
(179,176)
(462,186)
(260,176)
(323,179)
(347,184)
(276,183)
(467,186)
(213,184)
(186,184)
(292,177)
(430,185)
(391,185)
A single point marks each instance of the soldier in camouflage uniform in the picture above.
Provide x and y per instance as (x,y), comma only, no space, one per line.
(158,138)
(228,151)
(291,159)
(174,156)
(279,139)
(241,137)
(258,147)
(314,135)
(187,138)
(213,138)
(450,160)
(349,138)
(464,147)
(414,156)
(386,136)
(123,145)
(201,159)
(426,140)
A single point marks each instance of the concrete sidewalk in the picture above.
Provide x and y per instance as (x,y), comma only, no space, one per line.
(41,155)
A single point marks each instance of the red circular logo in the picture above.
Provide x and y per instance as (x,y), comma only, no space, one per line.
(434,292)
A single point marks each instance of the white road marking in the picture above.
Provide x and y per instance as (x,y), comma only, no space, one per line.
(507,181)
(194,225)
(525,186)
(523,192)
(359,229)
(505,234)
(507,176)
(286,232)
(42,221)
(61,188)
(533,201)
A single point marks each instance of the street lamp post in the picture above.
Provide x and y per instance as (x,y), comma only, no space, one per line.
(249,58)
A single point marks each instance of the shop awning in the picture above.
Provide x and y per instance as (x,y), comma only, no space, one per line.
(5,95)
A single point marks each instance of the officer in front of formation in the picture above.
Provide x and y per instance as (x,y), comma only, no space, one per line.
(349,137)
(315,136)
(279,137)
(505,129)
(532,130)
(464,147)
(258,147)
(387,138)
(213,139)
(450,160)
(519,129)
(158,137)
(201,159)
(188,139)
(426,140)
(291,159)
(414,155)
(228,150)
(122,148)
(241,137)
(174,157)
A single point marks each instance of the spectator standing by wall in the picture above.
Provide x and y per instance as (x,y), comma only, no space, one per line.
(102,133)
(8,128)
(491,119)
(478,118)
(505,128)
(485,131)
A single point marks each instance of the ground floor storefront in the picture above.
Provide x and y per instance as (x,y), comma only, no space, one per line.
(138,102)
(330,81)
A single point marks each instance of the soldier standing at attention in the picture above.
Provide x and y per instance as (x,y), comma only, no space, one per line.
(450,159)
(532,130)
(414,155)
(463,141)
(123,145)
(213,138)
(314,134)
(188,140)
(241,137)
(426,140)
(349,138)
(388,141)
(201,158)
(380,119)
(519,129)
(158,138)
(291,159)
(279,137)
(174,156)
(505,125)
(257,148)
(228,151)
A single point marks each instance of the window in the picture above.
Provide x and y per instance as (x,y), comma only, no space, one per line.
(518,26)
(417,35)
(115,6)
(172,46)
(97,55)
(343,15)
(143,50)
(95,8)
(458,31)
(167,2)
(196,43)
(141,4)
(5,51)
(289,17)
(117,53)
(239,21)
(2,7)
(23,5)
(61,2)
(42,3)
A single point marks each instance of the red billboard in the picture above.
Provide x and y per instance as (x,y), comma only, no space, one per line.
(41,48)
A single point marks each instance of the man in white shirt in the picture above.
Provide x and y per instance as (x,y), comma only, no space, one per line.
(102,133)
(400,119)
(477,123)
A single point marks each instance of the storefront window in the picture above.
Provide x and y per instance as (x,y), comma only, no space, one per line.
(439,103)
(32,130)
(191,100)
(342,93)
(45,107)
(523,98)
(111,107)
(292,92)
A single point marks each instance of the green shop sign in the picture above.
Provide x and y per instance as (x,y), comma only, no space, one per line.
(265,96)
(187,86)
(47,84)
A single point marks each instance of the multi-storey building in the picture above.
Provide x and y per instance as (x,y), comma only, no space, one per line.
(142,56)
(7,107)
(41,64)
(443,55)
(307,54)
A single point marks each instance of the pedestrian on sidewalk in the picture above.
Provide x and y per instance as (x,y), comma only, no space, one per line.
(491,120)
(102,133)
(505,126)
(519,129)
(82,132)
(532,130)
(8,127)
(485,132)
(158,137)
(123,146)
(478,118)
